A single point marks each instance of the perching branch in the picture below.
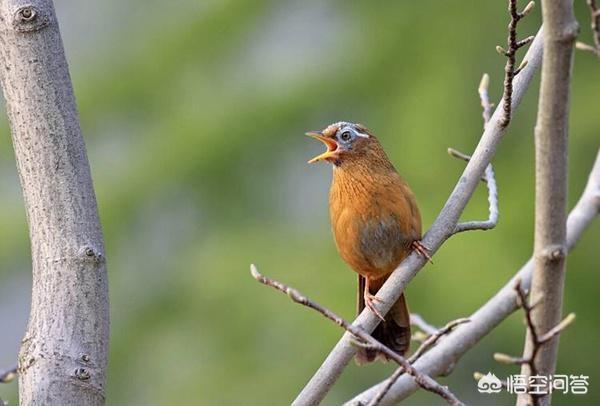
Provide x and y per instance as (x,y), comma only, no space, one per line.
(448,352)
(513,45)
(551,142)
(537,339)
(366,340)
(442,228)
(64,353)
(595,24)
(425,346)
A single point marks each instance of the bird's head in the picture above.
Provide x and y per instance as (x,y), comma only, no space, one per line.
(344,141)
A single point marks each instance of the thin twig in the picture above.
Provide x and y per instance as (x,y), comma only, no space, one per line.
(595,24)
(8,375)
(433,338)
(424,381)
(513,45)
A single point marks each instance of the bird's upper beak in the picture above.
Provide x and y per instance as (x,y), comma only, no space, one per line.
(330,143)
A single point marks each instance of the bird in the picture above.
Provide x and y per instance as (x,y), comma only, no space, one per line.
(375,221)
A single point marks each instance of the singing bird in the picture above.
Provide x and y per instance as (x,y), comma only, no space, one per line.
(375,222)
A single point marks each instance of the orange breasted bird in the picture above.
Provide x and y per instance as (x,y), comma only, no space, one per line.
(375,222)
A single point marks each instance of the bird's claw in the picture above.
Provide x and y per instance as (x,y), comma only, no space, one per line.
(369,299)
(421,249)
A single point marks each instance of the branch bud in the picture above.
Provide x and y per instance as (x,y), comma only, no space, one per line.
(528,8)
(507,359)
(525,41)
(485,83)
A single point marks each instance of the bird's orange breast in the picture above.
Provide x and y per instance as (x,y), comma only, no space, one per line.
(374,220)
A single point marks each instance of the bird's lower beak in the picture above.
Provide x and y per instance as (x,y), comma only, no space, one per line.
(330,143)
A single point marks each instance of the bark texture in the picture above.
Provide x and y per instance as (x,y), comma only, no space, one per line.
(63,356)
(551,138)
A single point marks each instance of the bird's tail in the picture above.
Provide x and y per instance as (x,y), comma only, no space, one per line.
(394,332)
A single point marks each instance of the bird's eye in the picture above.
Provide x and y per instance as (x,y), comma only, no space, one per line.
(345,136)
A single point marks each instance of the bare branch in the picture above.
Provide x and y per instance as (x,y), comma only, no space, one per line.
(595,17)
(510,53)
(424,381)
(448,352)
(442,228)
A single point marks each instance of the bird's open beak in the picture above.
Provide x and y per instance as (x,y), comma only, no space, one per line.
(330,143)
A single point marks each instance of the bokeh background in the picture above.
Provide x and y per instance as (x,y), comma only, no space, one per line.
(194,114)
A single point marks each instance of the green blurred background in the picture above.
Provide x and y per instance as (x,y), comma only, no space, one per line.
(194,113)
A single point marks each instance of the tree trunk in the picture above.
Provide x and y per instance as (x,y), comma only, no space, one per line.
(551,136)
(64,353)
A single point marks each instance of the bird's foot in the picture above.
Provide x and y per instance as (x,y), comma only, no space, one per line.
(369,300)
(421,249)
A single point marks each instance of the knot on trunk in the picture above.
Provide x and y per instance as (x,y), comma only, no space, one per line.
(91,254)
(28,17)
(553,253)
(82,374)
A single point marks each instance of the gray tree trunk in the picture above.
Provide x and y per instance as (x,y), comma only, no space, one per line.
(63,356)
(551,139)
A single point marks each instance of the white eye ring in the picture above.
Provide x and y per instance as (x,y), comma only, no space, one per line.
(346,135)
